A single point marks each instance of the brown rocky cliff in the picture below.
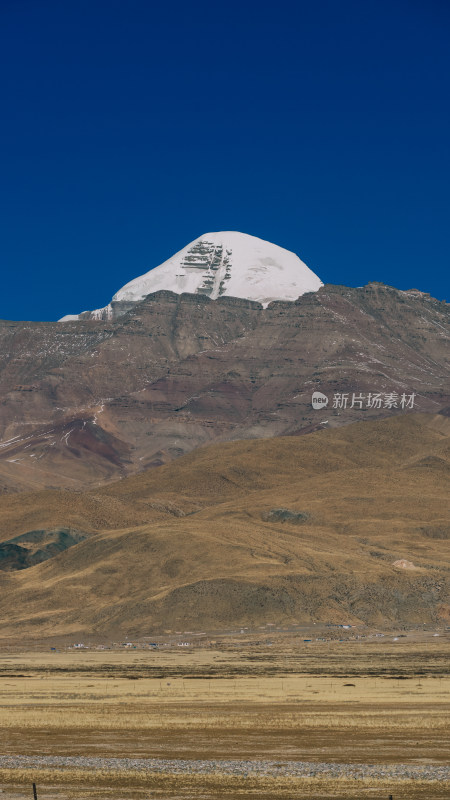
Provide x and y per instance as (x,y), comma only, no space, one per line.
(88,401)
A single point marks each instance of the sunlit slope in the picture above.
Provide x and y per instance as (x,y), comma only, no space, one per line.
(304,528)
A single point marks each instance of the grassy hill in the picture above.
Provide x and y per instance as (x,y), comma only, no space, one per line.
(288,529)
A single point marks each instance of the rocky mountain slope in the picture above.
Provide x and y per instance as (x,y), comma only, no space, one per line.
(87,401)
(347,525)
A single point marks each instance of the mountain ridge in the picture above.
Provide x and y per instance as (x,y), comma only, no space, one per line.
(90,401)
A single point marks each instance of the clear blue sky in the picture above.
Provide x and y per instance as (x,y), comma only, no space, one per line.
(130,128)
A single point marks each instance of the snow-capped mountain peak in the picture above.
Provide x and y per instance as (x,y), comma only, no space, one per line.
(222,263)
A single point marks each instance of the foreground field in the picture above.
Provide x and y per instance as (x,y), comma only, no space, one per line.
(339,719)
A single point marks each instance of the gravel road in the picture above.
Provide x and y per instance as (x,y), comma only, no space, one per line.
(298,769)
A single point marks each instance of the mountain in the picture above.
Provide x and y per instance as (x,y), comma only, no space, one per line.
(253,521)
(85,402)
(347,525)
(227,263)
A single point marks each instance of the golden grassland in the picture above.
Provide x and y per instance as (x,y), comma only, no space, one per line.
(370,702)
(192,545)
(89,785)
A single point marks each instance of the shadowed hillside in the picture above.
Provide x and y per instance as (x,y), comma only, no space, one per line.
(294,528)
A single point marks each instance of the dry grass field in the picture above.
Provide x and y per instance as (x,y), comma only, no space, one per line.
(268,698)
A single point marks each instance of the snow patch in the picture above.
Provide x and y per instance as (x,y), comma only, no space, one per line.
(403,563)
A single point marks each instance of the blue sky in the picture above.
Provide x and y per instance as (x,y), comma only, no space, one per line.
(129,129)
